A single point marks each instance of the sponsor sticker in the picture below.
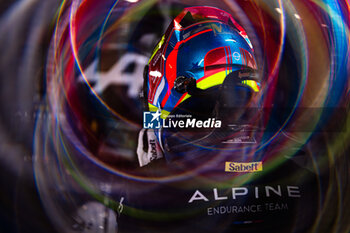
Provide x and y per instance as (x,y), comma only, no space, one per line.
(236,56)
(243,167)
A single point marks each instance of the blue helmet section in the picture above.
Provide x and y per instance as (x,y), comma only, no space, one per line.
(192,53)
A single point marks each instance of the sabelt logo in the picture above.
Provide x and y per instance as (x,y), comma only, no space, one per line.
(243,167)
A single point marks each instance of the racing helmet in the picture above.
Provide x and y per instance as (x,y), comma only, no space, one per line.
(204,68)
(200,49)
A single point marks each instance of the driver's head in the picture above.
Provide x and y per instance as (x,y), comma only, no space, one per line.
(204,67)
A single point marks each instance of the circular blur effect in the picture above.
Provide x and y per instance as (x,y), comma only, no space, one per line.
(87,127)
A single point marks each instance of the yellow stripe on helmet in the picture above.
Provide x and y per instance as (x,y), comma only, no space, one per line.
(164,113)
(159,45)
(213,80)
(252,84)
(218,79)
(152,108)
